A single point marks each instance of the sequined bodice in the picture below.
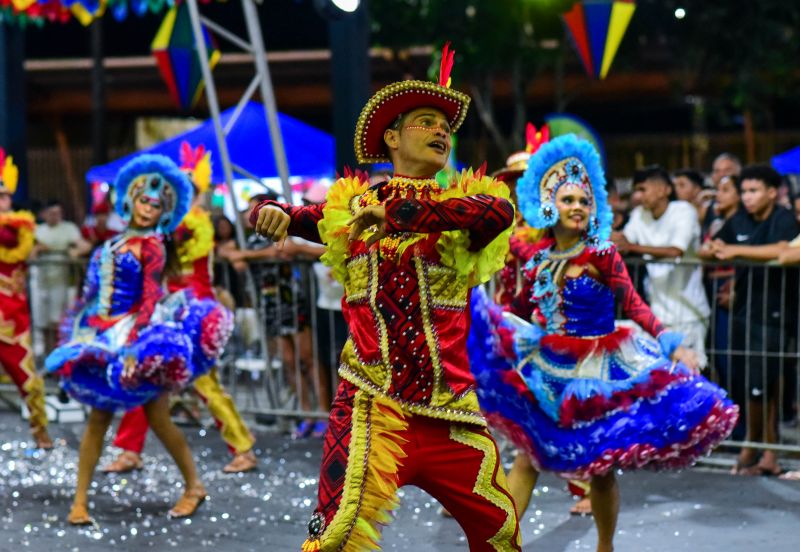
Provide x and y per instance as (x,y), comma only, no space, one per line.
(587,307)
(575,306)
(118,278)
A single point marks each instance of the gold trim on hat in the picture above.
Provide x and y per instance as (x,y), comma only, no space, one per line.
(398,89)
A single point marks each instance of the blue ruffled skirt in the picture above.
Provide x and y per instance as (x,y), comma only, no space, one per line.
(615,403)
(183,341)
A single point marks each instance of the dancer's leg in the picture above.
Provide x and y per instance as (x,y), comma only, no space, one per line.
(172,438)
(605,509)
(521,481)
(230,423)
(89,454)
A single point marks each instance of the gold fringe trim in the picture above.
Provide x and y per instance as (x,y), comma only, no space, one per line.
(453,246)
(370,492)
(490,475)
(477,267)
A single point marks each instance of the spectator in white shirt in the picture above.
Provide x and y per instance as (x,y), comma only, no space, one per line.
(57,241)
(665,228)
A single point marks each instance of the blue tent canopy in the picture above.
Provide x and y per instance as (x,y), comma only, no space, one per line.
(787,162)
(309,151)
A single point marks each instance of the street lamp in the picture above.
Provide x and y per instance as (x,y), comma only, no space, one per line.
(336,9)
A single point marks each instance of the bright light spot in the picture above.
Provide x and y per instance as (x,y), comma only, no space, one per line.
(680,13)
(470,11)
(347,5)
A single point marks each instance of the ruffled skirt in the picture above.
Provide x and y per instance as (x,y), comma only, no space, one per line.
(582,407)
(182,341)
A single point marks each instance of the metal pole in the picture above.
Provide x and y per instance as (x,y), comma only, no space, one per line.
(99,153)
(267,94)
(213,107)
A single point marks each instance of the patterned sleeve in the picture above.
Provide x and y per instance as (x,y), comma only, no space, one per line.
(615,273)
(304,219)
(521,249)
(153,259)
(483,216)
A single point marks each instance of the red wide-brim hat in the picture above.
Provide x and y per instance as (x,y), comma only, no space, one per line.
(398,98)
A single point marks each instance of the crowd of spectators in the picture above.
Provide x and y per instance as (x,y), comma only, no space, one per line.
(743,223)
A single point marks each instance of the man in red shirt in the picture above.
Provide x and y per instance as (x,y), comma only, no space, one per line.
(407,252)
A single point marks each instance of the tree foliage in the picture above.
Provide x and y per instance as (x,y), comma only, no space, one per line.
(754,44)
(516,38)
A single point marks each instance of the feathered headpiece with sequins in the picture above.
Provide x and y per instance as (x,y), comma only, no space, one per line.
(9,173)
(156,176)
(566,160)
(401,97)
(196,163)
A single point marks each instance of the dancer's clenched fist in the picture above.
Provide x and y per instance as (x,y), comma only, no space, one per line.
(273,223)
(368,217)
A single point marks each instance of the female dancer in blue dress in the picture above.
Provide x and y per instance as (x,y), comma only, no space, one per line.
(587,396)
(127,345)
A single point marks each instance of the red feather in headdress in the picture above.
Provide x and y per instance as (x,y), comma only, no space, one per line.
(446,66)
(534,139)
(189,156)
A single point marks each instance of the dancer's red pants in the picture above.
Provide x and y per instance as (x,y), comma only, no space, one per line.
(16,355)
(458,464)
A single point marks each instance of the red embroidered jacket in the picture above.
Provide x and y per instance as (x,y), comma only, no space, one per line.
(16,242)
(406,299)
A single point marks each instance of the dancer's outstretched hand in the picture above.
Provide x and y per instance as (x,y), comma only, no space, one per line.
(273,223)
(688,358)
(371,215)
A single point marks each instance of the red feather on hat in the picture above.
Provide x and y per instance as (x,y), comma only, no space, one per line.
(446,66)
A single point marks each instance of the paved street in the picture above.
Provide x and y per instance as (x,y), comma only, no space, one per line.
(701,510)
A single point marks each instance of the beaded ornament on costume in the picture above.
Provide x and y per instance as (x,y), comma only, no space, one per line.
(400,187)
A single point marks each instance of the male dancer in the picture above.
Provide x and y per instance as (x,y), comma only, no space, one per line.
(194,240)
(407,252)
(16,354)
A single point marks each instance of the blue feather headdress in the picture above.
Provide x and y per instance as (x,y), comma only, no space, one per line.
(565,160)
(156,176)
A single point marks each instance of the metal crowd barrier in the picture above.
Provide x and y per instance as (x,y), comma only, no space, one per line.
(751,342)
(282,358)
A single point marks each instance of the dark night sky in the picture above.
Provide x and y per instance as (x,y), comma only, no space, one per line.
(286,24)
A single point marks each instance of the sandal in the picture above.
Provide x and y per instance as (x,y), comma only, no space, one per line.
(127,461)
(769,471)
(768,465)
(42,438)
(242,462)
(745,467)
(791,475)
(582,508)
(188,503)
(79,515)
